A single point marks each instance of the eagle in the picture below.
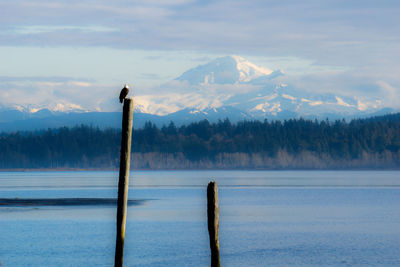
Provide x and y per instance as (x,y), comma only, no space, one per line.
(124,93)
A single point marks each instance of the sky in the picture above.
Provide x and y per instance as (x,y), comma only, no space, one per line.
(79,54)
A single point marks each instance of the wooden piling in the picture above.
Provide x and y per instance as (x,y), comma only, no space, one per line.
(213,222)
(123,182)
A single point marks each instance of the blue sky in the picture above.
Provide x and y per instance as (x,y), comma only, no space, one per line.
(80,53)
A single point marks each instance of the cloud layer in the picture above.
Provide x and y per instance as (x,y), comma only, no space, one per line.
(354,45)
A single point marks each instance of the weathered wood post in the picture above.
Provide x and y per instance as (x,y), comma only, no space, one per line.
(213,222)
(123,183)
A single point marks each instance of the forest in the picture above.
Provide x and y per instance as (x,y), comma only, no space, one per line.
(372,143)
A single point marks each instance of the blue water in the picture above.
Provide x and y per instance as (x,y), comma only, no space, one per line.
(267,218)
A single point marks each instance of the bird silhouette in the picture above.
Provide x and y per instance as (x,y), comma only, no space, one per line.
(124,93)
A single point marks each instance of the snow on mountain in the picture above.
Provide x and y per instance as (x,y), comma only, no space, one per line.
(207,86)
(54,107)
(173,102)
(227,87)
(226,70)
(232,81)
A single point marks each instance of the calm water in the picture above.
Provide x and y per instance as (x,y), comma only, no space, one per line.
(267,218)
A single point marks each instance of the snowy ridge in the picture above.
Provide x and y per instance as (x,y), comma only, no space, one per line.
(232,87)
(226,70)
(56,107)
(249,71)
(232,81)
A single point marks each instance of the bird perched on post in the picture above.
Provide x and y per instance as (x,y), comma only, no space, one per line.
(124,93)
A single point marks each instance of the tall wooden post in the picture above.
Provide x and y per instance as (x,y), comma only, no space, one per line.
(123,183)
(213,222)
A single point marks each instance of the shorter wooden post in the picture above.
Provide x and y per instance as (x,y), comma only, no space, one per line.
(213,222)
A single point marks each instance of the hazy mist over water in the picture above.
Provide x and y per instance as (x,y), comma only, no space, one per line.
(268,218)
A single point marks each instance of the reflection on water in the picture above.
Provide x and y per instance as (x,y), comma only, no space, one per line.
(108,179)
(268,218)
(38,202)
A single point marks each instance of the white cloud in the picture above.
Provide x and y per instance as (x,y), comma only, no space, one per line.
(79,83)
(58,96)
(36,29)
(391,94)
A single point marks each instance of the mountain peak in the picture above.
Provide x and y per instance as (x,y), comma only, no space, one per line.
(225,70)
(249,71)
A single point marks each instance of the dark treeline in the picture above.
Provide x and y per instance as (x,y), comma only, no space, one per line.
(296,143)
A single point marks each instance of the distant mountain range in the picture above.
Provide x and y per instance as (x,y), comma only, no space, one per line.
(227,87)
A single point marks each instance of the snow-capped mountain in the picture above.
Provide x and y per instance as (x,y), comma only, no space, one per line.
(226,70)
(227,87)
(258,92)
